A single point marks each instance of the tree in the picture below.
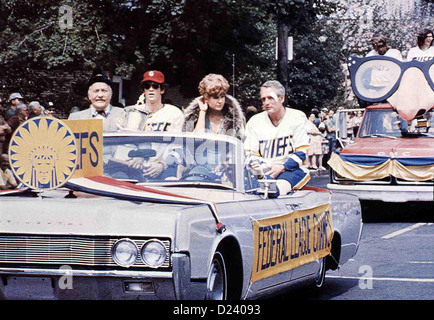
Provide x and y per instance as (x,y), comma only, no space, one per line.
(40,51)
(312,77)
(50,60)
(187,39)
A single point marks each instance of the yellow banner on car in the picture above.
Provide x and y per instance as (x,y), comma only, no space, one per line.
(89,137)
(291,240)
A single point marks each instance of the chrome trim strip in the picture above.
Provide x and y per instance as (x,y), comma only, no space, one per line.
(88,273)
(388,193)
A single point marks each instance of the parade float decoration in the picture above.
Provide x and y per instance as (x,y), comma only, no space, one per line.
(392,156)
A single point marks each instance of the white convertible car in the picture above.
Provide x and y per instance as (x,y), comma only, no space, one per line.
(204,228)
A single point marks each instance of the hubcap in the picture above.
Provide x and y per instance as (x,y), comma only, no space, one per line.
(216,282)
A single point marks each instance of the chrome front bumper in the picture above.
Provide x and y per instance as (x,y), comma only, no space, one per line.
(386,193)
(64,283)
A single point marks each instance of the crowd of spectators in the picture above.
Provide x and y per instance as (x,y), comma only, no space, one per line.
(12,115)
(322,126)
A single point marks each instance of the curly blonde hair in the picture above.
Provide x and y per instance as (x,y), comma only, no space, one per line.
(213,84)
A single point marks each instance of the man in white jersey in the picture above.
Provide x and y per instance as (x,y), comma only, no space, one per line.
(424,48)
(381,48)
(150,114)
(276,140)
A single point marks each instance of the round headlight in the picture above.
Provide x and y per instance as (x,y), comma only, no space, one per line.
(125,252)
(154,253)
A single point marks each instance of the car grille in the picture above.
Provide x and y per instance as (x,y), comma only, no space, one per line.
(417,183)
(58,251)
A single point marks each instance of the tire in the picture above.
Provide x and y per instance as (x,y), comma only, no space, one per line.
(320,276)
(216,283)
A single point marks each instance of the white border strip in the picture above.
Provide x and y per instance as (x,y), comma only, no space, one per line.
(383,279)
(399,232)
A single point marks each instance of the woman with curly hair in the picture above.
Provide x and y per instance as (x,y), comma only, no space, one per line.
(215,111)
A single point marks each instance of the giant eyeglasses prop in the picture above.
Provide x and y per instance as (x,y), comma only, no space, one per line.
(407,86)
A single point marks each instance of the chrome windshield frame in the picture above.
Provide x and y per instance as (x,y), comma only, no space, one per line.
(236,146)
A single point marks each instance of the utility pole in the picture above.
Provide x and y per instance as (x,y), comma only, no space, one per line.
(282,53)
(233,75)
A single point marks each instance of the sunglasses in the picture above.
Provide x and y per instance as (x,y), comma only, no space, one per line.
(148,85)
(377,43)
(376,78)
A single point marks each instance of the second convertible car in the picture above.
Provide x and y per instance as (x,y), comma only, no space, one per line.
(201,227)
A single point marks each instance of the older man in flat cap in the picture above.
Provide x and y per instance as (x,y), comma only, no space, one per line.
(100,94)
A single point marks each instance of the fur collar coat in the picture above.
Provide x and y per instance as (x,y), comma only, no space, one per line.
(233,123)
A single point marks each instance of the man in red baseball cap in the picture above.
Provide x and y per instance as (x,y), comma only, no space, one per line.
(151,114)
(154,114)
(153,76)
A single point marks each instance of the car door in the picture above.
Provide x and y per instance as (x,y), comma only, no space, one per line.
(265,276)
(302,228)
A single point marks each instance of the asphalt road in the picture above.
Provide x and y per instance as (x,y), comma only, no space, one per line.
(395,260)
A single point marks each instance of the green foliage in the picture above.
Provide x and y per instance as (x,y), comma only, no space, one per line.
(315,73)
(186,39)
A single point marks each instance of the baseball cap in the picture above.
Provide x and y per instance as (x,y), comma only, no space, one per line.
(15,95)
(153,75)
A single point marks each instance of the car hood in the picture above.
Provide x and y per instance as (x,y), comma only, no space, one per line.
(86,215)
(400,147)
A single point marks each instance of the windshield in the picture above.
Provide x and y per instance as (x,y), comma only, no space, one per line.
(170,160)
(387,123)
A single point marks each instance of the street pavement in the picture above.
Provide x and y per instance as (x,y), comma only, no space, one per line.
(395,260)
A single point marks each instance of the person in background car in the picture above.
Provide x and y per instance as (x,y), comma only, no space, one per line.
(424,46)
(381,48)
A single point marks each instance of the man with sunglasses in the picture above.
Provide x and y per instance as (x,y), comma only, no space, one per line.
(381,48)
(150,113)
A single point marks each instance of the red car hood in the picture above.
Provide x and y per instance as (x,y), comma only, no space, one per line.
(398,148)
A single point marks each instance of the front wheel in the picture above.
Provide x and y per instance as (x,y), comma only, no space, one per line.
(216,283)
(320,276)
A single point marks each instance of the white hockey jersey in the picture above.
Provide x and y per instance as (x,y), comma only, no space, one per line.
(286,143)
(168,118)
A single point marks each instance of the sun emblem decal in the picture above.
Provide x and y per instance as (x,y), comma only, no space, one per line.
(43,153)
